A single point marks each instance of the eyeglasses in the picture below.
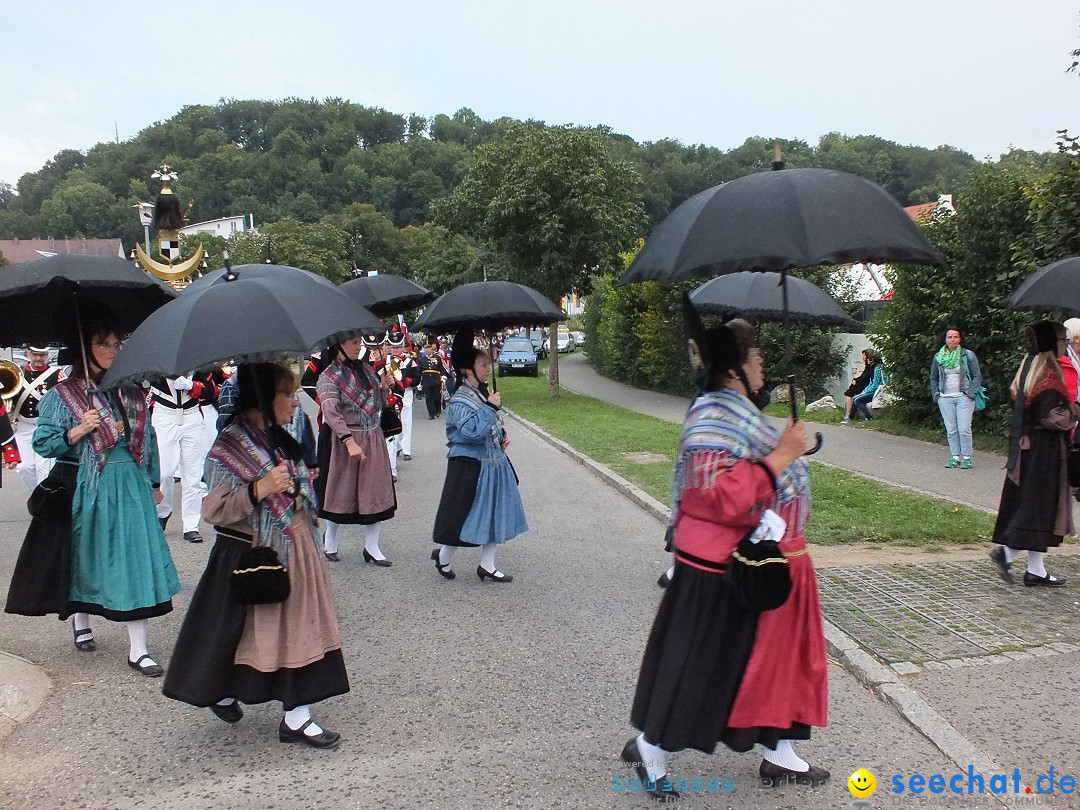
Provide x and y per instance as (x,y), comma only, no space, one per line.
(111,345)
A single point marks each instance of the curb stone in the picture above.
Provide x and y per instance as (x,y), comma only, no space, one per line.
(882,680)
(23,688)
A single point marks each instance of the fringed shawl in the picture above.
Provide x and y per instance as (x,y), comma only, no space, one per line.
(242,455)
(72,402)
(365,399)
(722,428)
(470,396)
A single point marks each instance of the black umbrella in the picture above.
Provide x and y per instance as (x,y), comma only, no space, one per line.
(247,318)
(249,271)
(1056,286)
(488,305)
(387,295)
(39,298)
(761,295)
(777,221)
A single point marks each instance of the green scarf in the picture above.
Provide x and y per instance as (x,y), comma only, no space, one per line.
(947,359)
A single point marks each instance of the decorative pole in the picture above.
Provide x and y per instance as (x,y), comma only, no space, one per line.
(168,219)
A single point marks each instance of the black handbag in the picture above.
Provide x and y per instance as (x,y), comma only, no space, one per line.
(260,578)
(390,422)
(758,574)
(51,499)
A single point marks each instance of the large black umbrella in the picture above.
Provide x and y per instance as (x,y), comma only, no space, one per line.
(761,295)
(250,271)
(38,299)
(777,221)
(246,318)
(488,305)
(1055,286)
(387,295)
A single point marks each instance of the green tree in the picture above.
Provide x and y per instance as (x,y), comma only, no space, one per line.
(554,202)
(438,259)
(318,248)
(370,240)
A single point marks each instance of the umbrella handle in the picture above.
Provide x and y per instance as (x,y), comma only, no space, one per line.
(818,441)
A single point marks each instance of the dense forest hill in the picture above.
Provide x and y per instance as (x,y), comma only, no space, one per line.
(307,159)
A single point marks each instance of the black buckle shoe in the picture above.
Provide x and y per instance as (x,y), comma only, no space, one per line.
(664,580)
(324,739)
(1031,580)
(444,570)
(773,775)
(631,755)
(383,563)
(1003,565)
(84,639)
(230,712)
(150,670)
(494,576)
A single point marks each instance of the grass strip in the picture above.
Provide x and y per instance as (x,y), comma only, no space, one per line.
(848,508)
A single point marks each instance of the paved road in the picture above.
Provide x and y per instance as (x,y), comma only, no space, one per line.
(465,695)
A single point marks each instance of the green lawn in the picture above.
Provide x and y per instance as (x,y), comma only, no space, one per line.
(847,507)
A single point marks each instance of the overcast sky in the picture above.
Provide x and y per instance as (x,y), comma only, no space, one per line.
(981,75)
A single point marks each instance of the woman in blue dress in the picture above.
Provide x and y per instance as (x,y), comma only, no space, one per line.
(111,543)
(480,503)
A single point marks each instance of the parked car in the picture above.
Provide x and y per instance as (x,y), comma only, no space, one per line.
(579,338)
(517,356)
(566,341)
(539,340)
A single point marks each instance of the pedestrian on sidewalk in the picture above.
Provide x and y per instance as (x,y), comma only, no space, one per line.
(955,379)
(1035,512)
(95,546)
(715,670)
(480,503)
(261,494)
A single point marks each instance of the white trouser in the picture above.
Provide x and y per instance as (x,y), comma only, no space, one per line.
(392,445)
(33,469)
(406,420)
(182,448)
(210,434)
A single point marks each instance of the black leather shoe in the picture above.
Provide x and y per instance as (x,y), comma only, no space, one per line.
(406,457)
(84,639)
(149,669)
(380,563)
(1031,580)
(664,580)
(631,755)
(332,556)
(775,776)
(230,712)
(443,570)
(494,576)
(1003,565)
(193,536)
(324,739)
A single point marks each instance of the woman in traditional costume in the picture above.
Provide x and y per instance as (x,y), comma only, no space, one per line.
(480,503)
(1035,511)
(715,670)
(355,483)
(103,551)
(261,494)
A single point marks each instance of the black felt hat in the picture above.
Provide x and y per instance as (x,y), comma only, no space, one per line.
(462,351)
(712,351)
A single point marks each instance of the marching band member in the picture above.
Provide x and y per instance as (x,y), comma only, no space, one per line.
(8,442)
(355,484)
(38,377)
(431,378)
(410,381)
(394,344)
(182,448)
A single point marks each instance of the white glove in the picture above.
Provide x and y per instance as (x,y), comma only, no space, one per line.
(183,384)
(771,527)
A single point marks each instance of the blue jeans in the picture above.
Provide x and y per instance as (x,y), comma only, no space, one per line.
(957,411)
(861,404)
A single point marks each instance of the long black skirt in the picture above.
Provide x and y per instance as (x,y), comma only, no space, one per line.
(202,669)
(458,494)
(694,662)
(41,581)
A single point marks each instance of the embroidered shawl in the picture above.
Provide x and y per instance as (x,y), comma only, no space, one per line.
(128,401)
(242,455)
(469,395)
(722,428)
(345,377)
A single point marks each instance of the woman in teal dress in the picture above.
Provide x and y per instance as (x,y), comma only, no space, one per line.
(480,503)
(120,566)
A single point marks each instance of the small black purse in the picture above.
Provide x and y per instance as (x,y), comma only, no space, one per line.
(390,422)
(260,578)
(758,574)
(51,500)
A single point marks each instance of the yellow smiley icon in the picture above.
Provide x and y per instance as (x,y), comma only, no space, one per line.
(862,784)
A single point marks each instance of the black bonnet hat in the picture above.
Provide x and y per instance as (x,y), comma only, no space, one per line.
(1043,337)
(712,351)
(462,351)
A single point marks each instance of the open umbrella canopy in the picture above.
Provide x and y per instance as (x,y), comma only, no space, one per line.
(1055,286)
(38,298)
(488,305)
(386,294)
(777,221)
(760,295)
(246,318)
(251,271)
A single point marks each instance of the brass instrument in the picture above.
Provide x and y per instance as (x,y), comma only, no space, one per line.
(11,382)
(395,367)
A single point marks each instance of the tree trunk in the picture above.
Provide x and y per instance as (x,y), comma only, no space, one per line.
(553,362)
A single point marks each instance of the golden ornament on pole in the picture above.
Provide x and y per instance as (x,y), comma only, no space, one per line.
(168,220)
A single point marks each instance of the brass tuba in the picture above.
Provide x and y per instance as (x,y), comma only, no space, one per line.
(11,382)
